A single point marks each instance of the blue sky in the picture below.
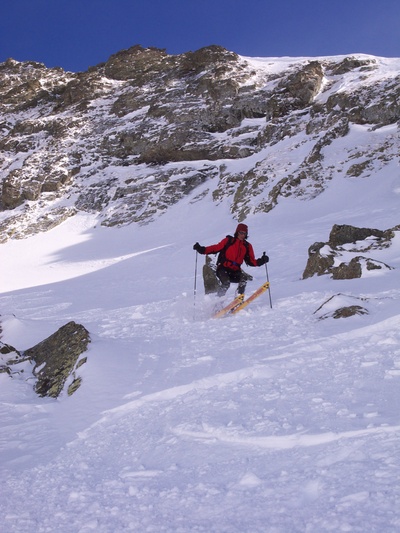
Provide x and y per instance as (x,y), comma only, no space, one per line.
(76,34)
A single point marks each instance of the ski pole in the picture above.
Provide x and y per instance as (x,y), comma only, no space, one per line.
(269,286)
(195,288)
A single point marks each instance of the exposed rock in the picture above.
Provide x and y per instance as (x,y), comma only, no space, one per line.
(304,85)
(27,85)
(364,106)
(358,169)
(9,356)
(348,271)
(210,280)
(340,129)
(138,64)
(345,312)
(54,361)
(319,263)
(341,306)
(354,269)
(343,234)
(16,228)
(16,188)
(57,358)
(323,258)
(351,63)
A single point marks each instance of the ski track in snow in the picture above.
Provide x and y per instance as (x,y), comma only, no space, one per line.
(274,437)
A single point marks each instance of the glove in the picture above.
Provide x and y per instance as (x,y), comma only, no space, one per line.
(263,259)
(198,248)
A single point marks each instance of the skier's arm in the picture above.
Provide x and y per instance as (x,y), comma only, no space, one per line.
(215,248)
(212,249)
(252,261)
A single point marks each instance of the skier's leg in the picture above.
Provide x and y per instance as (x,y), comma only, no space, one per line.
(242,286)
(223,276)
(237,276)
(242,283)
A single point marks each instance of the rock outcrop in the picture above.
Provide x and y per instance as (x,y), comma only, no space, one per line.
(324,257)
(53,363)
(57,358)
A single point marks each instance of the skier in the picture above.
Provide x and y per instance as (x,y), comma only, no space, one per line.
(232,252)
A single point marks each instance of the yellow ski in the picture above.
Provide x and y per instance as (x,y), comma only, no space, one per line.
(228,308)
(248,300)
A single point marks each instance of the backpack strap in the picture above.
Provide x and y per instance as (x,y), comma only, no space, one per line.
(221,256)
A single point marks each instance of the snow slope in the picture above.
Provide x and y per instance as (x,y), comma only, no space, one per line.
(269,421)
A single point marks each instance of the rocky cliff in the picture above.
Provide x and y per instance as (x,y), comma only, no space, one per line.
(131,137)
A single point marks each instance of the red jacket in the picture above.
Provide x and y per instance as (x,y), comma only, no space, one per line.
(235,254)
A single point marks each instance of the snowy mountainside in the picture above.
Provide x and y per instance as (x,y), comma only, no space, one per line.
(276,420)
(272,420)
(131,137)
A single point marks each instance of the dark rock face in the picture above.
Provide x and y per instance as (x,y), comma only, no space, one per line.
(210,280)
(345,312)
(318,263)
(54,361)
(302,86)
(138,64)
(57,358)
(348,271)
(143,122)
(322,256)
(343,234)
